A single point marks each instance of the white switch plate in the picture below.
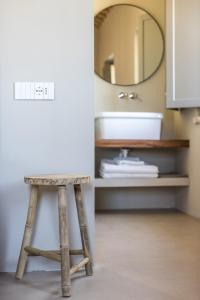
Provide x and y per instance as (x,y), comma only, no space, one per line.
(34,90)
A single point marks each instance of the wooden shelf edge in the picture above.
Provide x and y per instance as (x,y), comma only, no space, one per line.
(163,181)
(142,144)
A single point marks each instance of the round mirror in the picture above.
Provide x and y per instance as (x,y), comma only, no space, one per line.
(129,45)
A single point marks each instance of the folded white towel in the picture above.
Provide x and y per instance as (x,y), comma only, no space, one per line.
(128,161)
(111,168)
(130,175)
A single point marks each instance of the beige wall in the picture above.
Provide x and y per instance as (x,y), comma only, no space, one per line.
(189,200)
(152,92)
(152,95)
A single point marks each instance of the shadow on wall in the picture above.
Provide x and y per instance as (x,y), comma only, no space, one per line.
(3,235)
(12,209)
(13,212)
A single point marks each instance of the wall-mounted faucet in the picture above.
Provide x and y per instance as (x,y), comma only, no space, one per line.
(129,96)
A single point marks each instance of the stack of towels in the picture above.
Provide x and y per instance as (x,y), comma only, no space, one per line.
(131,167)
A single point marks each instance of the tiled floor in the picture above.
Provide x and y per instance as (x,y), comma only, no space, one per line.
(139,256)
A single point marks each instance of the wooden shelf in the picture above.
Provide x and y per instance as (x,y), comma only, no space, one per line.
(162,181)
(142,144)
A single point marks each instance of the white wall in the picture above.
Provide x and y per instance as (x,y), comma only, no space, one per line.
(44,40)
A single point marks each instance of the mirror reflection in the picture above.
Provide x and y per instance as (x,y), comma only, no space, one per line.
(129,45)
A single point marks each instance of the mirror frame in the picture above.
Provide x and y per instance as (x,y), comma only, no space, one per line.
(162,36)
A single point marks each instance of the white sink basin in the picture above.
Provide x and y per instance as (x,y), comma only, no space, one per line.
(128,125)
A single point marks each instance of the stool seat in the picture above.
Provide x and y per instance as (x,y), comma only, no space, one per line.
(56,179)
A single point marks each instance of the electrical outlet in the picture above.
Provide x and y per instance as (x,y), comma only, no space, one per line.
(34,90)
(39,90)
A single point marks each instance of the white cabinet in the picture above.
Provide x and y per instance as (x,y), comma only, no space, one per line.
(183,53)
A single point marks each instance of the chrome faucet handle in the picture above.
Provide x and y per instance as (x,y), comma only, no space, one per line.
(122,95)
(133,96)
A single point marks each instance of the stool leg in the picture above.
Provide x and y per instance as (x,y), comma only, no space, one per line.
(64,241)
(27,231)
(83,227)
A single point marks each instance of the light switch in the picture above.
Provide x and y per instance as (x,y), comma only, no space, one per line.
(34,90)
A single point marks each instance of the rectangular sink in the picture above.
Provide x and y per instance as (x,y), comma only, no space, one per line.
(128,125)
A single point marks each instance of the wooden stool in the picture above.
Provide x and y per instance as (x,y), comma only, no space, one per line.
(62,255)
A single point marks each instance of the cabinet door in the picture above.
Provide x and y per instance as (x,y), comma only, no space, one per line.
(183,53)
